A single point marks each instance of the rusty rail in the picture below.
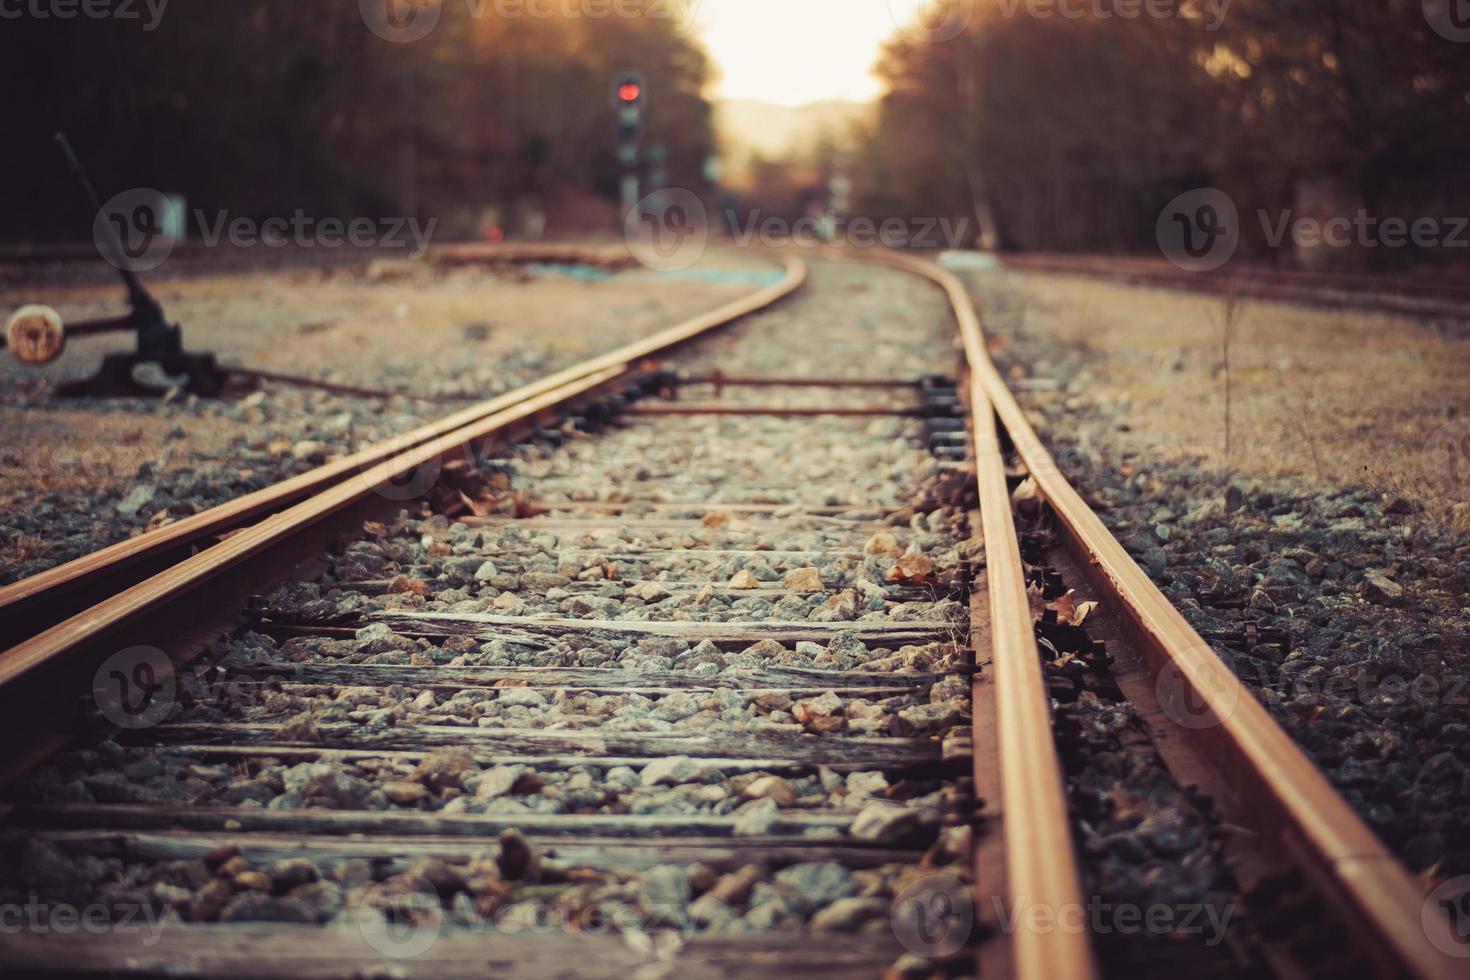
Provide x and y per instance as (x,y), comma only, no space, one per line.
(28,606)
(67,618)
(1403,296)
(1285,797)
(1041,867)
(1291,803)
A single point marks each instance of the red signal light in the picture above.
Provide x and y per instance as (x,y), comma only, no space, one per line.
(630,91)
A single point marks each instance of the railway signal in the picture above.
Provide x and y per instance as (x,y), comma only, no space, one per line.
(658,168)
(629,93)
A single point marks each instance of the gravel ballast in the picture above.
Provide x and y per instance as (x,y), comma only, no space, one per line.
(1356,594)
(849,546)
(77,475)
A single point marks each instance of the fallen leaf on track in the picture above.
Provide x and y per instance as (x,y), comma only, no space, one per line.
(1038,604)
(913,570)
(1071,612)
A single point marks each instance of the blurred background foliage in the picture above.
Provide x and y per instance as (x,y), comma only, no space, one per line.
(267,106)
(1063,134)
(1047,133)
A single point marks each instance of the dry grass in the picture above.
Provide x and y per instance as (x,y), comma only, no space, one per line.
(314,321)
(1329,397)
(385,331)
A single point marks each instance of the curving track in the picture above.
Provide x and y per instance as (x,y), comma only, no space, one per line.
(1438,298)
(743,682)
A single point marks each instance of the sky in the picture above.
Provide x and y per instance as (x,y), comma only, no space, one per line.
(793,52)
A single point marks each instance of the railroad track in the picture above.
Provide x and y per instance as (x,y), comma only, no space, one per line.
(1437,298)
(729,664)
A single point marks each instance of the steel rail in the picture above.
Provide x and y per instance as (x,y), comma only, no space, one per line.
(1285,796)
(30,605)
(1291,802)
(172,610)
(188,601)
(1042,870)
(1411,284)
(1407,297)
(1041,865)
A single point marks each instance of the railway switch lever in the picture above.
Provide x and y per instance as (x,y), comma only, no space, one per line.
(36,334)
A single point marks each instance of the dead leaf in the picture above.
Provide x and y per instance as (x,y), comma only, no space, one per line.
(913,569)
(402,584)
(525,509)
(1430,876)
(1037,603)
(1127,806)
(1070,612)
(480,508)
(1084,609)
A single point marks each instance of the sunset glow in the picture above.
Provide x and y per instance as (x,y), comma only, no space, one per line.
(794,53)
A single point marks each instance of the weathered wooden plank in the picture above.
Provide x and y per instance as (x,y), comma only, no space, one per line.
(393,852)
(274,950)
(647,692)
(590,678)
(719,380)
(490,627)
(873,753)
(816,523)
(508,556)
(609,256)
(226,752)
(755,492)
(780,411)
(893,593)
(726,636)
(706,506)
(148,816)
